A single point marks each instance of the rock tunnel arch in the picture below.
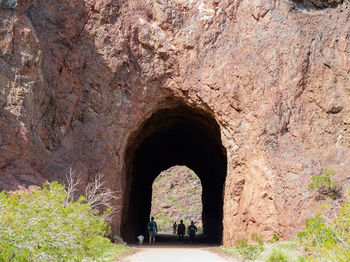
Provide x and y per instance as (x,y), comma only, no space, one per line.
(176,134)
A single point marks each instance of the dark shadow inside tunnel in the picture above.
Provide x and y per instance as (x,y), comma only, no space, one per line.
(176,135)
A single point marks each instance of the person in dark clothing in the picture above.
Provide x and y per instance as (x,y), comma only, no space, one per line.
(192,230)
(174,228)
(181,228)
(152,230)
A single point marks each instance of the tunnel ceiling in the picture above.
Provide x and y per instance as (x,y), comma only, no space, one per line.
(175,136)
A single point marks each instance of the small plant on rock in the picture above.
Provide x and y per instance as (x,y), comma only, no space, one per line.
(325,184)
(257,239)
(275,237)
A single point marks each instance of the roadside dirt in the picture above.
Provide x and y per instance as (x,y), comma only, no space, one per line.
(161,254)
(169,249)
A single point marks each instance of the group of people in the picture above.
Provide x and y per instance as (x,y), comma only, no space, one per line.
(179,229)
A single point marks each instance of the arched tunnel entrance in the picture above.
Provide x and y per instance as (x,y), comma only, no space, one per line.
(179,135)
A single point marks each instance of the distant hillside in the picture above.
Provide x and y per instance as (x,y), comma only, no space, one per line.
(177,195)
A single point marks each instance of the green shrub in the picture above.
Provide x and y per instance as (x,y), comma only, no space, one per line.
(47,225)
(183,208)
(275,237)
(327,238)
(287,245)
(277,256)
(230,251)
(249,251)
(257,239)
(191,190)
(324,183)
(198,208)
(170,199)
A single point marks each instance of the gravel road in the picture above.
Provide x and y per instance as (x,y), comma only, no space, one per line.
(163,254)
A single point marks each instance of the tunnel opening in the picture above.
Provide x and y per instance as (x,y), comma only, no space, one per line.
(177,195)
(174,135)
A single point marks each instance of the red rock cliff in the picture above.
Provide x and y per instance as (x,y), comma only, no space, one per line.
(79,78)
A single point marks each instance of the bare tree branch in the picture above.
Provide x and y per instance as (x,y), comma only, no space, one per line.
(97,195)
(71,185)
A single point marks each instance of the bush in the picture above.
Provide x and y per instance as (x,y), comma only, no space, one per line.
(230,251)
(325,184)
(249,251)
(327,238)
(48,225)
(275,237)
(277,256)
(257,239)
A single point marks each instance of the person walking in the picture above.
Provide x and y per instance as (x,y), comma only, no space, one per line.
(192,230)
(174,228)
(181,230)
(152,231)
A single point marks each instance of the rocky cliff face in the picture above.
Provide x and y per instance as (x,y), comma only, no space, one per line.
(79,78)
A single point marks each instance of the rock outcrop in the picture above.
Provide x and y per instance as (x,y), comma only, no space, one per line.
(79,78)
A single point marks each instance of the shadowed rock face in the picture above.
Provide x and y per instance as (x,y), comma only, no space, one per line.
(318,4)
(264,85)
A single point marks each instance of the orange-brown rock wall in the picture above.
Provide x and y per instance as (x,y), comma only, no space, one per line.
(78,78)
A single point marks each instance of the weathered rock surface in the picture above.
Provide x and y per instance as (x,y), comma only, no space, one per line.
(77,78)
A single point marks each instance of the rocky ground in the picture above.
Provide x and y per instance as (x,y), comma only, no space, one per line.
(177,195)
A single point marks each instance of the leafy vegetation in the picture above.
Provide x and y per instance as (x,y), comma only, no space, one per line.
(277,256)
(325,183)
(183,208)
(230,251)
(275,237)
(249,251)
(286,248)
(171,199)
(191,190)
(327,237)
(164,223)
(198,208)
(49,225)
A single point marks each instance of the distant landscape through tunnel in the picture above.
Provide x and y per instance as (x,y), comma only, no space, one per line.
(177,195)
(175,135)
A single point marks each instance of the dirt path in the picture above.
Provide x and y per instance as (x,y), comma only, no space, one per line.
(169,249)
(163,254)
